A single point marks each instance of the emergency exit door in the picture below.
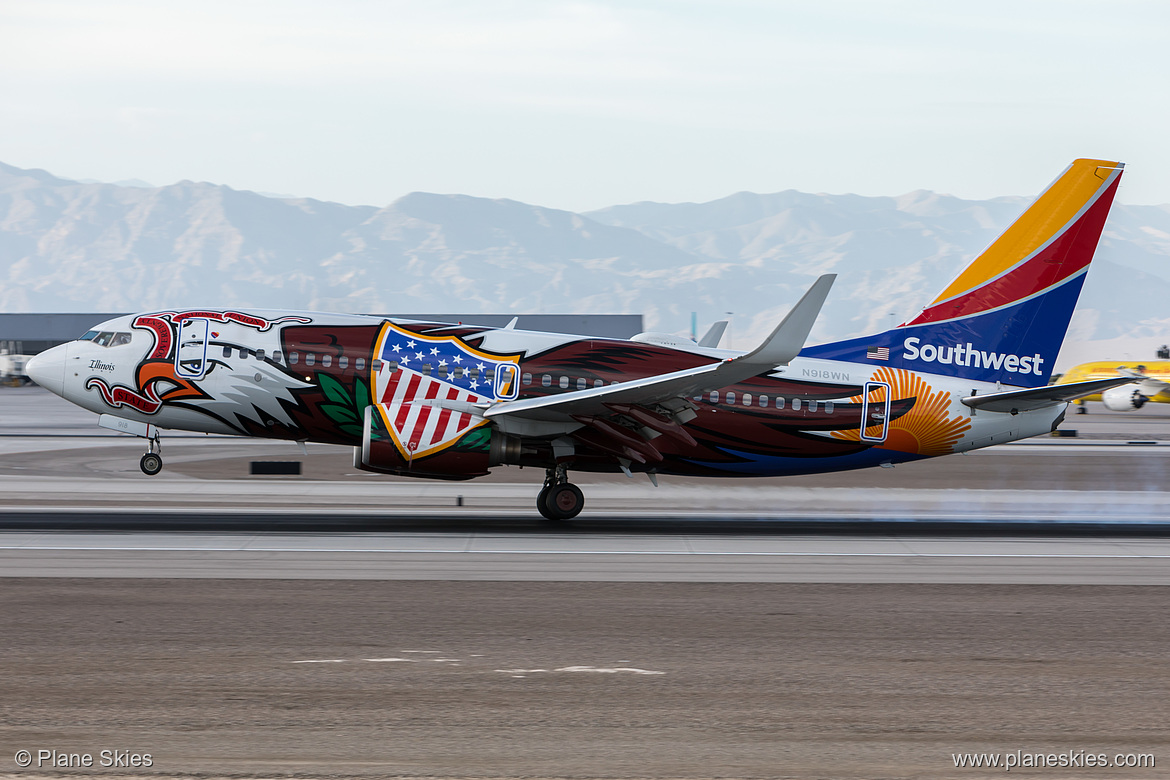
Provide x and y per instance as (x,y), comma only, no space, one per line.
(875,411)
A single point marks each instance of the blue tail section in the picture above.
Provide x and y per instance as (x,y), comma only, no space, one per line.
(1003,318)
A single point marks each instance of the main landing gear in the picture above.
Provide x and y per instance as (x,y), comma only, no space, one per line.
(559,499)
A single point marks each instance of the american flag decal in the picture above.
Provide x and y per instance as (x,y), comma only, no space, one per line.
(878,353)
(423,387)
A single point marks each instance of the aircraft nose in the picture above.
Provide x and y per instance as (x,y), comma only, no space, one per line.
(48,369)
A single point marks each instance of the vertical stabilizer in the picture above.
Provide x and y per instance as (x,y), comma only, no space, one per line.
(1003,318)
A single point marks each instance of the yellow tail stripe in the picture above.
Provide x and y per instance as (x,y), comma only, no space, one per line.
(1048,214)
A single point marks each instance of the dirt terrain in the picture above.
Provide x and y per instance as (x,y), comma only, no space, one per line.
(246,678)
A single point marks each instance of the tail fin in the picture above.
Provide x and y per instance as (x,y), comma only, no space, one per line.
(1004,317)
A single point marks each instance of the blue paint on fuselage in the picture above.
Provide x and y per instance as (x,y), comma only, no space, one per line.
(756,465)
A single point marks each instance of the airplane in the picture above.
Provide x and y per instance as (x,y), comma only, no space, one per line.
(452,401)
(1149,382)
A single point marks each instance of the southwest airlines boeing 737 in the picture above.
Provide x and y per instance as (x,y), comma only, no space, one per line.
(451,401)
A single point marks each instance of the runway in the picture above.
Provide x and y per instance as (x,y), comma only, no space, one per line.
(581,557)
(229,678)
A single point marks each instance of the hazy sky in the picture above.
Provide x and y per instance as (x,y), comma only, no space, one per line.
(579,105)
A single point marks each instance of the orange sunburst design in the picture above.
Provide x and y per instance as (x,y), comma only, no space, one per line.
(926,429)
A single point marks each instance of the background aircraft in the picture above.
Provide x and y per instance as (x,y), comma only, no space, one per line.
(1150,382)
(448,401)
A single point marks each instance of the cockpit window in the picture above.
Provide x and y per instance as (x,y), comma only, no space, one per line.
(107,338)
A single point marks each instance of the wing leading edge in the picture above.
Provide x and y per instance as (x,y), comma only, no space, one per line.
(784,344)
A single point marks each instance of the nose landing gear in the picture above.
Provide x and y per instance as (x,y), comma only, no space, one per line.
(151,462)
(559,499)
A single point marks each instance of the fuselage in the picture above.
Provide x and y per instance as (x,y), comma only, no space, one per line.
(309,376)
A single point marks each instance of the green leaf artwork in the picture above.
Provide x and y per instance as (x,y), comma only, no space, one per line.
(344,409)
(477,440)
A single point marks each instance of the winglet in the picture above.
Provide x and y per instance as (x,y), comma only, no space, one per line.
(714,335)
(790,335)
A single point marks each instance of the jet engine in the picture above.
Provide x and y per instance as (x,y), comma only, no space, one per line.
(470,455)
(1123,399)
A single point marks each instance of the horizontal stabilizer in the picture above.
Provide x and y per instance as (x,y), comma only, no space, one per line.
(1041,397)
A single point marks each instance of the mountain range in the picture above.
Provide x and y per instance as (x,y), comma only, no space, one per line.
(83,246)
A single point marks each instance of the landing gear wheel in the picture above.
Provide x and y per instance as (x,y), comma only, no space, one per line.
(150,464)
(564,501)
(542,504)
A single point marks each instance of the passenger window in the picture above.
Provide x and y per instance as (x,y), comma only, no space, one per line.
(828,407)
(564,383)
(526,379)
(714,396)
(474,373)
(426,369)
(599,383)
(489,375)
(747,399)
(796,404)
(779,402)
(730,397)
(294,358)
(376,365)
(276,356)
(359,364)
(812,405)
(582,383)
(546,381)
(458,372)
(260,355)
(392,365)
(442,371)
(326,360)
(764,401)
(343,362)
(310,358)
(227,352)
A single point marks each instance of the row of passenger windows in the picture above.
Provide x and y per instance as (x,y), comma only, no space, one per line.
(747,399)
(728,397)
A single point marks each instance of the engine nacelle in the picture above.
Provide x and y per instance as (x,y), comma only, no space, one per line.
(470,456)
(1123,399)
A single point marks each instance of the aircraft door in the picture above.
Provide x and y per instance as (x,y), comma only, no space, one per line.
(507,382)
(875,411)
(191,358)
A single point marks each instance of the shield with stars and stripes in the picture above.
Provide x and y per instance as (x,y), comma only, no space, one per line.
(425,387)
